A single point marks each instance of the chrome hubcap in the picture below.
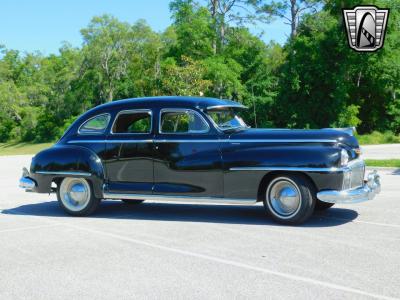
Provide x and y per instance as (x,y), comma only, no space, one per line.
(75,193)
(283,197)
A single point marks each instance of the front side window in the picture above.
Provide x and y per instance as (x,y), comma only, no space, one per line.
(95,125)
(133,122)
(182,121)
(227,118)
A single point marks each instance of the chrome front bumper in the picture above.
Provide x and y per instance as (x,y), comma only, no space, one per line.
(27,183)
(370,188)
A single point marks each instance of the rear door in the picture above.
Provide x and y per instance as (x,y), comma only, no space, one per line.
(130,151)
(187,155)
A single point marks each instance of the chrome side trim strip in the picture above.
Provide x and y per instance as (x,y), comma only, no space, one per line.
(242,141)
(283,141)
(109,141)
(188,141)
(68,173)
(202,141)
(346,168)
(298,169)
(170,198)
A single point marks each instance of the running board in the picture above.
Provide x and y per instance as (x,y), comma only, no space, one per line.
(169,198)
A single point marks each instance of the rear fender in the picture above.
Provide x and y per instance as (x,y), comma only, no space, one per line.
(61,161)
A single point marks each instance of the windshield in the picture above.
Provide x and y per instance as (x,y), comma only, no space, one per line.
(227,118)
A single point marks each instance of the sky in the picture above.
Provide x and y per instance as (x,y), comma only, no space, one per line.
(43,25)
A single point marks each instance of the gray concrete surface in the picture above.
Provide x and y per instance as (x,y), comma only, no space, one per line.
(385,151)
(177,251)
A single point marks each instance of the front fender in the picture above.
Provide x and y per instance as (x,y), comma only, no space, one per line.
(62,161)
(246,165)
(280,155)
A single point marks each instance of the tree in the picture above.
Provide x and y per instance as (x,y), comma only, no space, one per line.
(193,27)
(289,10)
(224,75)
(226,12)
(106,52)
(184,79)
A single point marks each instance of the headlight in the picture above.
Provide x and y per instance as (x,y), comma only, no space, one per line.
(344,157)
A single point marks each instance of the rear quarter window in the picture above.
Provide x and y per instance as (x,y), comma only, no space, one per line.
(95,125)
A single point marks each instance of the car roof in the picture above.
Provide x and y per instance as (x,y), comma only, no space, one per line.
(167,101)
(151,102)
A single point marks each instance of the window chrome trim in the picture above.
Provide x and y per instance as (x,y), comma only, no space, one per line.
(68,173)
(167,110)
(94,132)
(226,106)
(128,111)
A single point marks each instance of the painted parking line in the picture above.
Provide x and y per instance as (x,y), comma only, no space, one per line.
(29,228)
(359,221)
(235,264)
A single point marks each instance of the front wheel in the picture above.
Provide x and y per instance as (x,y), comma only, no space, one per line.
(76,197)
(289,199)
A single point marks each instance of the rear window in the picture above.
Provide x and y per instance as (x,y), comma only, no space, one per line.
(133,122)
(95,125)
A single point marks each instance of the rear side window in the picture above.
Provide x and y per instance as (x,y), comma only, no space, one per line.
(135,121)
(95,125)
(185,121)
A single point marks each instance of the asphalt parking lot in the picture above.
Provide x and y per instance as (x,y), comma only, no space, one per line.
(178,251)
(384,151)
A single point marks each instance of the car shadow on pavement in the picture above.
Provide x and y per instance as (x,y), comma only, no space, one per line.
(230,214)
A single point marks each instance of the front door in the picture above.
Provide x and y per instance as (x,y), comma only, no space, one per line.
(187,155)
(130,152)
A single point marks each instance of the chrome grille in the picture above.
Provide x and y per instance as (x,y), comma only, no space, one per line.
(354,177)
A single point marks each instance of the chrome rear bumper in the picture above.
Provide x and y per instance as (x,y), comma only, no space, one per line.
(367,191)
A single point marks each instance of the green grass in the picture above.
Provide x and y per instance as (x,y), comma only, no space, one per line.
(13,148)
(394,163)
(376,137)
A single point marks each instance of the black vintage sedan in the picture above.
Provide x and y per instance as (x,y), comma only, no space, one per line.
(198,150)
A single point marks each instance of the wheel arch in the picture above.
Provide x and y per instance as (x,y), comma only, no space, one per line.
(266,179)
(61,161)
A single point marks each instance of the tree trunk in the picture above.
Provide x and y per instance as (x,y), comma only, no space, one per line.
(293,14)
(214,7)
(110,92)
(222,33)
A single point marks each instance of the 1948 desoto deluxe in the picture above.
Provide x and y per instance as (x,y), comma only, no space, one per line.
(198,149)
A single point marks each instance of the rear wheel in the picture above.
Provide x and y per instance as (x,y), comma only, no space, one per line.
(289,199)
(76,197)
(132,202)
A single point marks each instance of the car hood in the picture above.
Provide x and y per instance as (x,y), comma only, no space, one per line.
(296,134)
